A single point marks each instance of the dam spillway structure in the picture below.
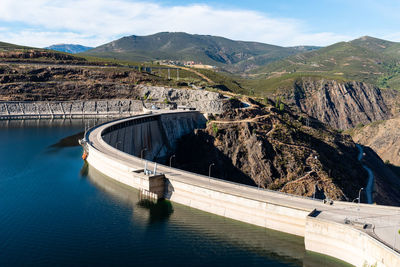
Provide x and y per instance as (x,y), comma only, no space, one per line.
(127,150)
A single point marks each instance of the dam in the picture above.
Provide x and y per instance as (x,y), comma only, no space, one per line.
(126,150)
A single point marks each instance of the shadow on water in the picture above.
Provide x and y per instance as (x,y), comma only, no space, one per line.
(188,223)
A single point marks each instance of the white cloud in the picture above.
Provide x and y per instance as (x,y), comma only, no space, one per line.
(94,22)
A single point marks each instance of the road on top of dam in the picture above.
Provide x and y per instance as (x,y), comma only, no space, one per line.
(385,220)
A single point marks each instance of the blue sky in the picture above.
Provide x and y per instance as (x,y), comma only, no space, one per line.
(282,22)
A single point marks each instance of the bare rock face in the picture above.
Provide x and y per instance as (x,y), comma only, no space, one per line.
(383,137)
(342,105)
(283,151)
(201,100)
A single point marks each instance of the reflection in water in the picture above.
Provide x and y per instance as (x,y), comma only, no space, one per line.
(158,212)
(197,225)
(68,141)
(35,123)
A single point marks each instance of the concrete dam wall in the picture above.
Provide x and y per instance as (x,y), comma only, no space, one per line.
(152,137)
(114,149)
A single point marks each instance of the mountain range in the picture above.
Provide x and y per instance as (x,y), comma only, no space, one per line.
(269,67)
(365,59)
(212,50)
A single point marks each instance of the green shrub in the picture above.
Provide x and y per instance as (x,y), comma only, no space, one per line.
(281,107)
(215,128)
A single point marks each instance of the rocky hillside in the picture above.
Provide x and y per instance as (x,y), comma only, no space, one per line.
(383,137)
(278,150)
(342,105)
(49,82)
(366,59)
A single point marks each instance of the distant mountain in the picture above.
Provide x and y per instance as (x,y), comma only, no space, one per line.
(69,48)
(212,50)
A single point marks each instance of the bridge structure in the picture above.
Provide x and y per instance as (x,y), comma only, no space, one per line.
(126,151)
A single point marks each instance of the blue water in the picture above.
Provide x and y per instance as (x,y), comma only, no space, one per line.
(55,210)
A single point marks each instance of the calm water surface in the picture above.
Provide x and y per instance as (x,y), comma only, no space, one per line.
(54,210)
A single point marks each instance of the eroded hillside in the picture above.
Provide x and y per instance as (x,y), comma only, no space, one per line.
(278,150)
(39,82)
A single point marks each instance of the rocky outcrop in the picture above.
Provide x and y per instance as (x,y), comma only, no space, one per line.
(201,100)
(342,105)
(383,137)
(278,150)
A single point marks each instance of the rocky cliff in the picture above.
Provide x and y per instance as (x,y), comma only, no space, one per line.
(342,105)
(202,100)
(383,137)
(278,150)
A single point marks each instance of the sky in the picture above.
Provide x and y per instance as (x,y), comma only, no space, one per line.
(41,23)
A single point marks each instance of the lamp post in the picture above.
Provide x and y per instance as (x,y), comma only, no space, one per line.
(170,160)
(359,198)
(141,152)
(359,194)
(209,170)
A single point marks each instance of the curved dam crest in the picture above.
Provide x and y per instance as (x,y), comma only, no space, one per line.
(354,233)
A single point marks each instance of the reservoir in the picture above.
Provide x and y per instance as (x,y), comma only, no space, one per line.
(55,210)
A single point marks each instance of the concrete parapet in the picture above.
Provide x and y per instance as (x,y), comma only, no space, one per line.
(347,243)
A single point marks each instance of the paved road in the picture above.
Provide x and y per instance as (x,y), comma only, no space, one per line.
(368,188)
(385,220)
